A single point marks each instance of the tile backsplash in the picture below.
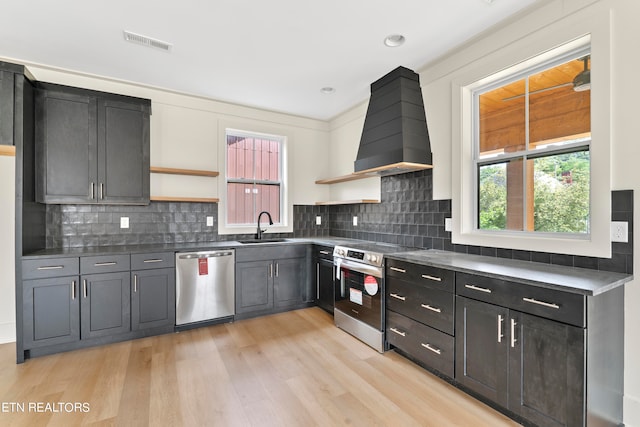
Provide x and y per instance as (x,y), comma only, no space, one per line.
(406,215)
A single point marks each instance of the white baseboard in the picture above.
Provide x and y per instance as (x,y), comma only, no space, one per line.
(631,411)
(7,332)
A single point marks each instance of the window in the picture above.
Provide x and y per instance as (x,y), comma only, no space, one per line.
(253,177)
(532,147)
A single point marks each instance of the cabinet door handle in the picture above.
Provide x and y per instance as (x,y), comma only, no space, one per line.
(73,290)
(542,303)
(152,260)
(478,288)
(324,252)
(101,191)
(399,270)
(277,269)
(84,287)
(428,307)
(394,330)
(93,190)
(104,264)
(270,270)
(500,334)
(318,281)
(434,278)
(51,267)
(396,296)
(513,333)
(431,348)
(135,283)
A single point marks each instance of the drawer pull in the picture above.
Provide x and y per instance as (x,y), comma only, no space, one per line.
(478,288)
(431,348)
(324,252)
(428,307)
(152,260)
(51,267)
(104,264)
(394,330)
(545,304)
(396,296)
(355,311)
(399,270)
(434,278)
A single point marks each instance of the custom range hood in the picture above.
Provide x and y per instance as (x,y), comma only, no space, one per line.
(395,138)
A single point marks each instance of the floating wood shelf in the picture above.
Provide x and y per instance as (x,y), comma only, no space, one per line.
(190,172)
(184,199)
(7,150)
(347,202)
(344,178)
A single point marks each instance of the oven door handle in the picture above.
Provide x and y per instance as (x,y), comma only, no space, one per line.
(359,267)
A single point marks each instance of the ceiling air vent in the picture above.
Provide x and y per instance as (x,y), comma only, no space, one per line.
(147,41)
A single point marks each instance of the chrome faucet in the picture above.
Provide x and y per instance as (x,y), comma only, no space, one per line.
(259,234)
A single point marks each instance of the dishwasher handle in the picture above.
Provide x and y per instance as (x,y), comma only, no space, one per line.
(216,254)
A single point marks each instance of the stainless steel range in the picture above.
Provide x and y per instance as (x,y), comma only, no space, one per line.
(359,299)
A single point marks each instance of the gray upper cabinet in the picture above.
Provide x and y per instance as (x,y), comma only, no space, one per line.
(6,107)
(91,147)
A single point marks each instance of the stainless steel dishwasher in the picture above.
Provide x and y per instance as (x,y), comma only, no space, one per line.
(205,286)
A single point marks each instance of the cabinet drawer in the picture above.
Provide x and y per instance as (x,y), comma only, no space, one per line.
(49,267)
(429,346)
(434,277)
(104,264)
(323,252)
(549,303)
(152,260)
(429,306)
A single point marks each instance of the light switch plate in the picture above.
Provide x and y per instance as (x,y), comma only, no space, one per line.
(318,220)
(209,221)
(355,221)
(447,224)
(124,222)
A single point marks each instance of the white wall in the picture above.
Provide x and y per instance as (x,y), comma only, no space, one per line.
(7,250)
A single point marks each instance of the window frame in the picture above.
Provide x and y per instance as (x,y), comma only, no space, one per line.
(589,27)
(236,128)
(503,78)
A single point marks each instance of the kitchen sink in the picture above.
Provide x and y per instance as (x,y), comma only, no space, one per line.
(251,241)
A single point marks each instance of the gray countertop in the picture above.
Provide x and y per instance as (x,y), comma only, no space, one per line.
(570,279)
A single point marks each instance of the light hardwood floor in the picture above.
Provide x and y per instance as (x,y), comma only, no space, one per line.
(288,369)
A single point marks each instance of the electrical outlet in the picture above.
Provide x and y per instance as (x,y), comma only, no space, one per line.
(124,222)
(318,220)
(619,231)
(209,221)
(447,224)
(355,221)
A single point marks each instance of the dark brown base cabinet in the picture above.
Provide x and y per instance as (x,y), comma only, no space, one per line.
(71,303)
(543,356)
(270,279)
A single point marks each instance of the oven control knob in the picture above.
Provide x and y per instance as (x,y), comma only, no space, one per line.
(373,258)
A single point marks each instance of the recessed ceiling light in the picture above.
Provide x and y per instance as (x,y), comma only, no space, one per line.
(394,40)
(327,90)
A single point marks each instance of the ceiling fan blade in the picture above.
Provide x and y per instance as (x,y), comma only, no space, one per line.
(538,91)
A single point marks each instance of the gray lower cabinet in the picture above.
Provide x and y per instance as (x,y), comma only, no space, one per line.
(51,311)
(325,275)
(153,293)
(105,308)
(270,279)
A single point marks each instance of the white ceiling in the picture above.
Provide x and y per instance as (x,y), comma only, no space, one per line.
(275,54)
